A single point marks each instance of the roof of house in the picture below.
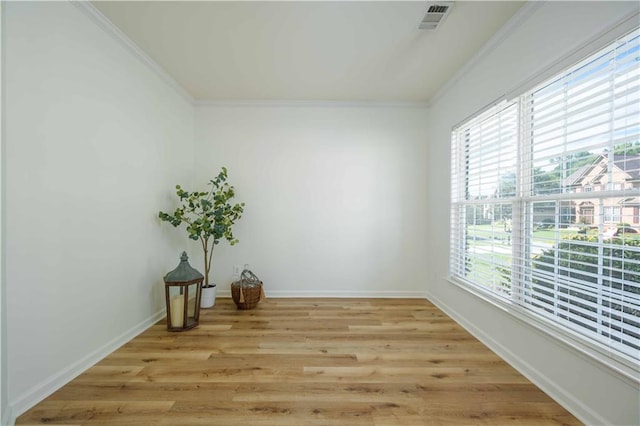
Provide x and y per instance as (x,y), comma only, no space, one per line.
(576,178)
(630,202)
(630,164)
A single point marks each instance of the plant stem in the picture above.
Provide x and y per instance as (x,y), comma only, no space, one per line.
(213,244)
(205,244)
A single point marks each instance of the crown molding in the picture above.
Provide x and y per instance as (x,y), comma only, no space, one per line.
(597,41)
(119,36)
(520,16)
(309,104)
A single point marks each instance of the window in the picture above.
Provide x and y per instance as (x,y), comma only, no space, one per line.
(522,231)
(612,214)
(613,186)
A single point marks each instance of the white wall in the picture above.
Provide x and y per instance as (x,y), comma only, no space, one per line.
(4,402)
(95,142)
(554,29)
(335,198)
(334,193)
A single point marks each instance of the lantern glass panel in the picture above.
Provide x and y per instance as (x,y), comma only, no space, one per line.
(192,292)
(176,306)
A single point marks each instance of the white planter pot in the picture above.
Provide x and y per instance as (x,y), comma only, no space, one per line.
(208,298)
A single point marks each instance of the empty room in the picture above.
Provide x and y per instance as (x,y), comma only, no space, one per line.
(320,213)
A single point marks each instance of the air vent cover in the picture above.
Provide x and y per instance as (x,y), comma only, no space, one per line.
(436,12)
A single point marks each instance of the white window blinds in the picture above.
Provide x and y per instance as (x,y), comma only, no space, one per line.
(546,199)
(485,157)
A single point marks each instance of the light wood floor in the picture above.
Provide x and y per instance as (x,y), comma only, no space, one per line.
(304,362)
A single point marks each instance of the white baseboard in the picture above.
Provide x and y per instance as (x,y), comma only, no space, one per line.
(7,418)
(45,388)
(342,294)
(584,413)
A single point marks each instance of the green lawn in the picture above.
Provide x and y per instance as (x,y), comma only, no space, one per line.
(550,234)
(491,248)
(493,232)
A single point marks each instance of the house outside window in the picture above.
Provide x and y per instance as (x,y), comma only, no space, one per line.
(540,186)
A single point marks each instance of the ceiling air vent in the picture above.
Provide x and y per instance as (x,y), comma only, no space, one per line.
(436,12)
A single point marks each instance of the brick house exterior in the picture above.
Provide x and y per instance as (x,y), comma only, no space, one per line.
(600,177)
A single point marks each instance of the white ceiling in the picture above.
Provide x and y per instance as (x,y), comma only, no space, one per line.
(300,50)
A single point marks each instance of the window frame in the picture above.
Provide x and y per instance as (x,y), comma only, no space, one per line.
(611,214)
(622,363)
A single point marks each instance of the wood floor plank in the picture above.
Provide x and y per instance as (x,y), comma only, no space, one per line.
(373,362)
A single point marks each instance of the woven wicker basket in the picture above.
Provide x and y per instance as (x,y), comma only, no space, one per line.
(248,291)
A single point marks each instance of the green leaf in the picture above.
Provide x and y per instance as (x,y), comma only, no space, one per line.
(207,213)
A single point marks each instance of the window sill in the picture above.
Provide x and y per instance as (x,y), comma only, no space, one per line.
(623,366)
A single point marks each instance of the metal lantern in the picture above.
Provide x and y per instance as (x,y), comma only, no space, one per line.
(183,289)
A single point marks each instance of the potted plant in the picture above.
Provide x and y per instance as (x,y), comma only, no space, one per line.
(209,217)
